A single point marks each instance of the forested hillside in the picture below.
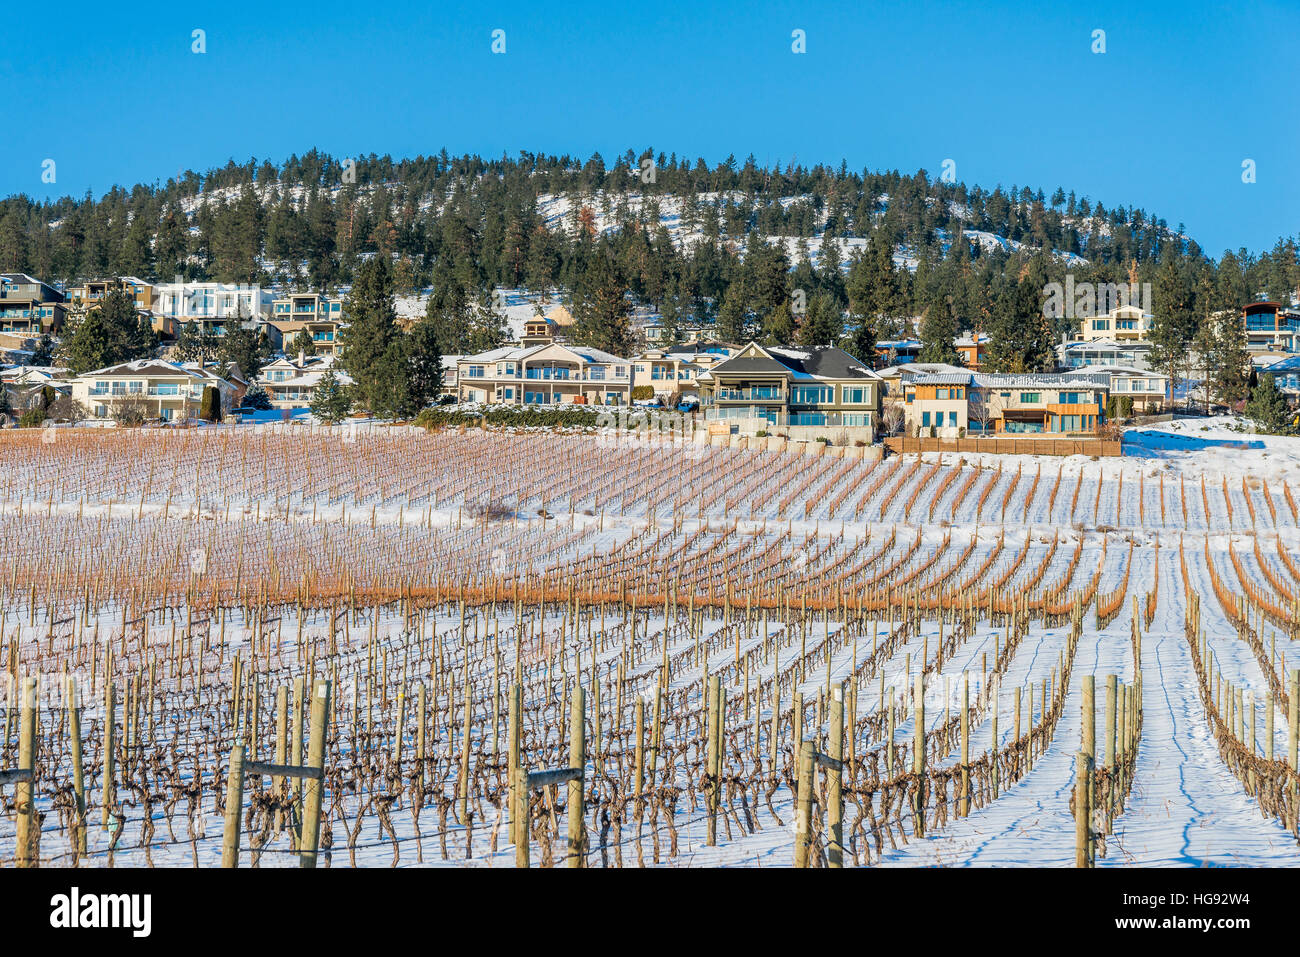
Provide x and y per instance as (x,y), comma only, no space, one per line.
(729,243)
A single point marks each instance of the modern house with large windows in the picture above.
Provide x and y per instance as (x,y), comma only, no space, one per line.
(1271,327)
(550,374)
(213,305)
(319,316)
(953,405)
(29,307)
(787,386)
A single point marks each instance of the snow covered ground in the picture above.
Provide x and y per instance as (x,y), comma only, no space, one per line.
(391,511)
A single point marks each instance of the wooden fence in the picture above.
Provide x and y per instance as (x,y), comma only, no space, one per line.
(907,443)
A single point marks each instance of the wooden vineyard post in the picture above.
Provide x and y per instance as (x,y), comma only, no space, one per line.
(835,781)
(312,792)
(1112,698)
(234,804)
(1293,721)
(106,788)
(918,755)
(27,851)
(512,770)
(1082,810)
(714,756)
(577,759)
(994,748)
(78,771)
(803,813)
(965,745)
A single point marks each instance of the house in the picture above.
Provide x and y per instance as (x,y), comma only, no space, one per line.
(811,385)
(90,294)
(450,366)
(171,391)
(1124,323)
(1271,327)
(1077,354)
(547,374)
(321,317)
(957,404)
(891,352)
(1286,376)
(973,349)
(1146,388)
(213,305)
(33,375)
(290,383)
(676,369)
(29,307)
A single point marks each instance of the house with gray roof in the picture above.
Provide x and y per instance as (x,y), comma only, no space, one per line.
(792,386)
(956,404)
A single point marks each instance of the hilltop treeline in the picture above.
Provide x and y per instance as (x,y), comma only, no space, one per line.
(467,224)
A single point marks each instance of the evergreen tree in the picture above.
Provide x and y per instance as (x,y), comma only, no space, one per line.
(330,401)
(1268,409)
(371,339)
(210,404)
(601,311)
(824,324)
(1173,326)
(250,349)
(1022,338)
(938,330)
(426,365)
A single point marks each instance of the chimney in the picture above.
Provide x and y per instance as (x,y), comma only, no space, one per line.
(302,357)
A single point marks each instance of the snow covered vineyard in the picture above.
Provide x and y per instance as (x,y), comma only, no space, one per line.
(947,627)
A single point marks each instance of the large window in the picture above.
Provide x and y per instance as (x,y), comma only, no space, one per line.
(1031,398)
(474,372)
(811,394)
(856,395)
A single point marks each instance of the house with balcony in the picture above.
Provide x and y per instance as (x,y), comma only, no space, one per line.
(1271,327)
(954,405)
(668,371)
(29,307)
(1124,323)
(90,294)
(788,386)
(1148,389)
(290,383)
(213,305)
(171,391)
(321,317)
(550,374)
(1079,354)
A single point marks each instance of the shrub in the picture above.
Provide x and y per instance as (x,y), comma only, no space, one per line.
(210,404)
(643,392)
(31,419)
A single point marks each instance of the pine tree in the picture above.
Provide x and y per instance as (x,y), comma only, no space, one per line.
(330,401)
(1268,409)
(601,311)
(1022,338)
(426,365)
(824,324)
(1173,326)
(370,336)
(938,330)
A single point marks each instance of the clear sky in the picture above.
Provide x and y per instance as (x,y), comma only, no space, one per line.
(1012,93)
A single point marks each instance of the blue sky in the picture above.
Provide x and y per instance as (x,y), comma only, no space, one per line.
(1012,93)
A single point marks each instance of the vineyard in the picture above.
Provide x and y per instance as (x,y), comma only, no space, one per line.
(298,646)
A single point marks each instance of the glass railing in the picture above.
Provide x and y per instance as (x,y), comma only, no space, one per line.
(747,395)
